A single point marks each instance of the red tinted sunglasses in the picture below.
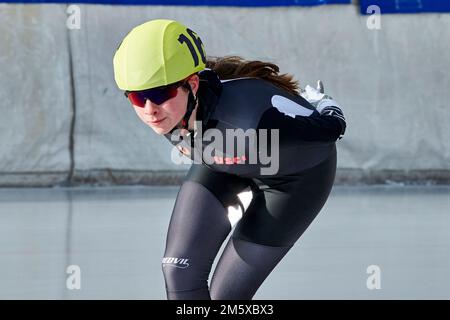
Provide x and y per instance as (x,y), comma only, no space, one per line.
(157,95)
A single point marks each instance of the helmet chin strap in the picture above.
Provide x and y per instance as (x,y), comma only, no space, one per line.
(192,102)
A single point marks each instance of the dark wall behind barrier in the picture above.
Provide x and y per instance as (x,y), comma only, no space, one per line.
(406,6)
(236,3)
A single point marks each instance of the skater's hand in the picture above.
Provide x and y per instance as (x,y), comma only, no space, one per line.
(314,95)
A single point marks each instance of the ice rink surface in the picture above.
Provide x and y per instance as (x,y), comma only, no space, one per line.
(116,236)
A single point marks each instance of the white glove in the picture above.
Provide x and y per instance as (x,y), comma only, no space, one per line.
(313,95)
(317,97)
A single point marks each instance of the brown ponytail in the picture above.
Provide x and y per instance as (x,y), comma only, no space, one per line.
(231,67)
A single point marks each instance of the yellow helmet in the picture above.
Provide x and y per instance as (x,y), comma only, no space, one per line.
(157,53)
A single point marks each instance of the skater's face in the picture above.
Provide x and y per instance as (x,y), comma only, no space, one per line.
(165,116)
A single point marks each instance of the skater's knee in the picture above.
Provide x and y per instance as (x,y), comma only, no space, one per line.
(179,275)
(184,282)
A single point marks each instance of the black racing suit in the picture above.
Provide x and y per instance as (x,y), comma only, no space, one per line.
(286,198)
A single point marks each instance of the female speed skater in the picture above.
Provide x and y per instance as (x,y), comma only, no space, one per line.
(246,127)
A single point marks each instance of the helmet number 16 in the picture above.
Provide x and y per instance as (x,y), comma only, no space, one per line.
(198,43)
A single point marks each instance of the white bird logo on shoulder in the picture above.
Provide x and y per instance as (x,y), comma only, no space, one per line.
(289,107)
